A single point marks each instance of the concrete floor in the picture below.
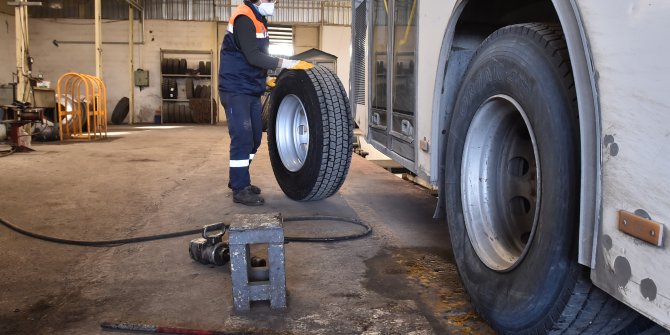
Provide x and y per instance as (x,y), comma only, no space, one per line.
(146,180)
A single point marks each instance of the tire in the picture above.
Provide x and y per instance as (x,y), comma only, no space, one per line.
(182,66)
(121,111)
(207,92)
(166,113)
(164,63)
(515,239)
(171,113)
(164,88)
(189,115)
(174,69)
(202,70)
(170,66)
(172,89)
(84,116)
(265,114)
(189,88)
(315,99)
(208,68)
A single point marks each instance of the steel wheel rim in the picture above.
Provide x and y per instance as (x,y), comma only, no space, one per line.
(292,133)
(500,183)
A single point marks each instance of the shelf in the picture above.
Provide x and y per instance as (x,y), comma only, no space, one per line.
(186,76)
(172,107)
(187,52)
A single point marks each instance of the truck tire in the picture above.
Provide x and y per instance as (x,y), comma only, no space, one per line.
(511,187)
(265,113)
(310,133)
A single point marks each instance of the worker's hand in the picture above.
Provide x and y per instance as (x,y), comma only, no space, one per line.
(272,83)
(296,64)
(302,65)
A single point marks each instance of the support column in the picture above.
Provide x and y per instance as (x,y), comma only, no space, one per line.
(131,62)
(21,41)
(98,39)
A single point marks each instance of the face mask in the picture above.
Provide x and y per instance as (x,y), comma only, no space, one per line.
(266,9)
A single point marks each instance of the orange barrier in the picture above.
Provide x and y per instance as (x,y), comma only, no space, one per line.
(82,104)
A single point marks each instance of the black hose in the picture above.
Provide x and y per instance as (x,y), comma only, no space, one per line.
(5,153)
(367,231)
(219,225)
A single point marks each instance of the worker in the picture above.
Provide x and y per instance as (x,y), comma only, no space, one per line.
(242,80)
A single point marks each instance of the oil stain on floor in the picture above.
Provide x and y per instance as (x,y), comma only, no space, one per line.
(431,280)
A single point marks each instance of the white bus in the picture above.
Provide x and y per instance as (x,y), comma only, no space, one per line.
(545,125)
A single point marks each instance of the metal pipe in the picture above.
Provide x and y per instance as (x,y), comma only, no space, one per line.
(142,33)
(135,4)
(155,329)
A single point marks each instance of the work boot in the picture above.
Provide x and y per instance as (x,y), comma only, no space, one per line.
(254,188)
(247,196)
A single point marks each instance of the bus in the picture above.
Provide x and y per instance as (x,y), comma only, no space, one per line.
(545,127)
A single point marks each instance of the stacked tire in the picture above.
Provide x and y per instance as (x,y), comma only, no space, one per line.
(174,113)
(205,68)
(174,66)
(169,88)
(201,110)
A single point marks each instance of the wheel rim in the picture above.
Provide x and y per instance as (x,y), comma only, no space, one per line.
(292,133)
(500,183)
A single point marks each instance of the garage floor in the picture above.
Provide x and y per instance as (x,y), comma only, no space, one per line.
(147,180)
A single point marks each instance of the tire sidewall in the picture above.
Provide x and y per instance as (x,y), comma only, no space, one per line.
(527,294)
(299,184)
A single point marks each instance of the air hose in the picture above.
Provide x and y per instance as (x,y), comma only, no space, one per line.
(219,225)
(4,153)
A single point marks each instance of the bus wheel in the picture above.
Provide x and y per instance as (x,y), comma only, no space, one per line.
(512,189)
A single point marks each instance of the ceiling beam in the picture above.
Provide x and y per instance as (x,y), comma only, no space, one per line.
(135,4)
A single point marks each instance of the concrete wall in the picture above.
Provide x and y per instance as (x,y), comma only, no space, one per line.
(8,49)
(305,38)
(52,61)
(336,40)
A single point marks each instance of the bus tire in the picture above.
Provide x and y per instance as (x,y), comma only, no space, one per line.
(310,133)
(511,187)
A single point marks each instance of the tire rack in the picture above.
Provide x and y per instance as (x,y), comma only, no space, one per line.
(169,105)
(88,97)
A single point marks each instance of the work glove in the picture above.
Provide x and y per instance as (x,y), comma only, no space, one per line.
(296,64)
(272,83)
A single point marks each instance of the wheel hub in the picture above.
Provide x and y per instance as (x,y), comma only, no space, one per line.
(500,183)
(292,133)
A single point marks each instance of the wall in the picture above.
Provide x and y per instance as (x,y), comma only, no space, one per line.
(336,40)
(305,38)
(52,61)
(8,49)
